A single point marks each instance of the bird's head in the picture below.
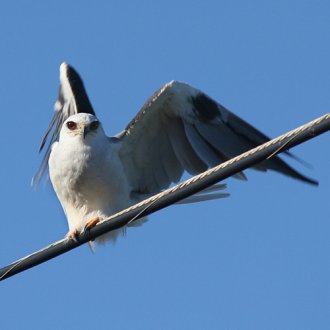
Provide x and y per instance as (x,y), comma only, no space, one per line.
(82,125)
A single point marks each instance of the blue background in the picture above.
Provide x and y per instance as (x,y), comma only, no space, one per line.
(256,260)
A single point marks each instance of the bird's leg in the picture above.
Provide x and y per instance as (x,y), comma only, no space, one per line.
(92,223)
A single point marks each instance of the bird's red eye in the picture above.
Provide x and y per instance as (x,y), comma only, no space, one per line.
(94,125)
(71,125)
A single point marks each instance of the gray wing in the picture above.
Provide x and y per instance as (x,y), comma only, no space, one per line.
(180,128)
(72,99)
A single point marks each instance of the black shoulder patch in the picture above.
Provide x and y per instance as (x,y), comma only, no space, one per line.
(205,108)
(81,98)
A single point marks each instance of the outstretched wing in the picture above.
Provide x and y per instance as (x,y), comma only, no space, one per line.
(72,99)
(180,128)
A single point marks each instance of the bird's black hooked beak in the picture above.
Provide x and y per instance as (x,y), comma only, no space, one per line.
(86,131)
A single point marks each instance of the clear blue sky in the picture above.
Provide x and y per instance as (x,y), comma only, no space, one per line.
(257,260)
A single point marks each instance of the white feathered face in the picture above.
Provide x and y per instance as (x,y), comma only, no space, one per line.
(81,124)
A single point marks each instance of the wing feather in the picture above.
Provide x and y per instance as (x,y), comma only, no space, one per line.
(183,150)
(180,128)
(202,148)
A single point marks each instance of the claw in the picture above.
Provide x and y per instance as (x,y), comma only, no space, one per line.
(92,223)
(73,235)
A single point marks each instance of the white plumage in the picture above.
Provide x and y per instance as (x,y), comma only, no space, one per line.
(179,128)
(87,174)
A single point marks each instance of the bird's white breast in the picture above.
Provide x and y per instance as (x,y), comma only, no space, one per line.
(88,179)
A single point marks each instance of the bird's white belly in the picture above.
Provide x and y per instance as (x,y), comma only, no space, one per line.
(88,183)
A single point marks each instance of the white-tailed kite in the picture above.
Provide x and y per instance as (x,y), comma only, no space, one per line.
(178,129)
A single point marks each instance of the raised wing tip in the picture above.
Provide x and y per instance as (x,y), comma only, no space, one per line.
(72,90)
(63,65)
(67,70)
(63,69)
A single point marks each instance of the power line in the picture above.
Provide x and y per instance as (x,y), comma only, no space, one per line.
(175,193)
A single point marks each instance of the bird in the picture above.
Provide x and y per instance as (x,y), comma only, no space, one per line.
(179,129)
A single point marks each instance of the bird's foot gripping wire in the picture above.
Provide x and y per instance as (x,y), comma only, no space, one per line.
(73,235)
(91,223)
